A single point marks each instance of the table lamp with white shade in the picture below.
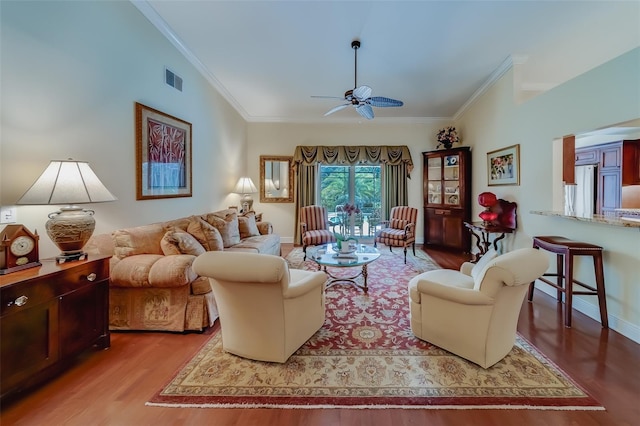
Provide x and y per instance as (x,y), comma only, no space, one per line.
(245,186)
(68,182)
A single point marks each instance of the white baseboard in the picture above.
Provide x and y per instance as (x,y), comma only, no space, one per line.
(627,329)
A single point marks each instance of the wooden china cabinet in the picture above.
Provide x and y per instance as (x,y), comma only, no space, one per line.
(446,182)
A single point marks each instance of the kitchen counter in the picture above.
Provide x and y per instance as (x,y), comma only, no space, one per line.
(614,220)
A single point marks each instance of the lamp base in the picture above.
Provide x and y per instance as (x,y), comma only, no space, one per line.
(247,203)
(70,229)
(63,258)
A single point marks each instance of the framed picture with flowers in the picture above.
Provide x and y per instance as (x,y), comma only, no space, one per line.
(503,166)
(163,155)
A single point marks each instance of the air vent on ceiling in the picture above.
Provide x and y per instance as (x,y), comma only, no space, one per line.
(172,79)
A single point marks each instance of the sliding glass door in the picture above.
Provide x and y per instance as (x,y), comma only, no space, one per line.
(355,185)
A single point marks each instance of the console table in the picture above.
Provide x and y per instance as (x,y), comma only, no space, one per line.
(504,224)
(483,241)
(48,315)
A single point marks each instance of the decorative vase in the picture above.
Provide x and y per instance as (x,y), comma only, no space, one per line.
(488,216)
(70,228)
(488,200)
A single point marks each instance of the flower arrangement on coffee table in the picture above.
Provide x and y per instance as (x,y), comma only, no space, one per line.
(345,212)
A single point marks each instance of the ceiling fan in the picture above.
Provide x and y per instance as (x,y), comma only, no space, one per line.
(360,97)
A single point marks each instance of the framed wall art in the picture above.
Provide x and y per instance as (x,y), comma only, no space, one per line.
(163,155)
(503,166)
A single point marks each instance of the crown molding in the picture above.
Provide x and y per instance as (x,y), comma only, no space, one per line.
(351,120)
(505,66)
(161,25)
(156,20)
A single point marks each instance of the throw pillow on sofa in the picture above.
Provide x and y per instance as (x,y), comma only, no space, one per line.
(176,241)
(206,234)
(226,221)
(247,225)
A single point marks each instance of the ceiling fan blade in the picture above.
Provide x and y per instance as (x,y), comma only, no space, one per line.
(328,97)
(381,101)
(361,93)
(365,110)
(338,108)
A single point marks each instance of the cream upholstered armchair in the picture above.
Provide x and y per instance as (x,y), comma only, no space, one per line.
(314,227)
(266,310)
(474,312)
(399,230)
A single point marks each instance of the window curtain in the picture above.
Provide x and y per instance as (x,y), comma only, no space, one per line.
(306,176)
(395,187)
(395,159)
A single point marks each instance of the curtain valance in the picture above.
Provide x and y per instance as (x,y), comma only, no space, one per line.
(359,154)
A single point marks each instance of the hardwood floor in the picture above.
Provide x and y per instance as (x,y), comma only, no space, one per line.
(110,387)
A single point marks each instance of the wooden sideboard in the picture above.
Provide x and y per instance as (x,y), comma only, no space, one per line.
(48,315)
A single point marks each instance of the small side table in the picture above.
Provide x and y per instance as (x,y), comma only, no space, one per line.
(482,231)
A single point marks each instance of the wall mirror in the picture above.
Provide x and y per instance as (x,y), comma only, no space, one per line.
(276,179)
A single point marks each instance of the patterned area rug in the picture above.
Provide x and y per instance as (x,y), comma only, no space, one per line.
(365,356)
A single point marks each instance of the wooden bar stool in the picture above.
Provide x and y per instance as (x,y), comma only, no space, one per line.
(565,250)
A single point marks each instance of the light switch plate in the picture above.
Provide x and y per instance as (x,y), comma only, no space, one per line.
(8,214)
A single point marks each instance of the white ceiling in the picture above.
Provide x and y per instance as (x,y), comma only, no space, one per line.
(267,58)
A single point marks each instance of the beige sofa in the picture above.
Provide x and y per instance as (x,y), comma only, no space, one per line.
(152,284)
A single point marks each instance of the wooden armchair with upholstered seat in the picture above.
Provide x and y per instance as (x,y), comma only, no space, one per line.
(314,227)
(399,230)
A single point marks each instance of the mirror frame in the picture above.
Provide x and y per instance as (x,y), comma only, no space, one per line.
(263,191)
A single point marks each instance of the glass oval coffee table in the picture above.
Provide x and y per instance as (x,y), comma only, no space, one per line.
(360,255)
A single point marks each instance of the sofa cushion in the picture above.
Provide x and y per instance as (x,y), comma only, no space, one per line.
(176,241)
(247,225)
(172,271)
(206,234)
(181,223)
(143,239)
(152,270)
(265,244)
(201,286)
(226,221)
(133,271)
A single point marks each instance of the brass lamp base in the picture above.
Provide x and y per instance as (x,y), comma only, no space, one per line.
(70,229)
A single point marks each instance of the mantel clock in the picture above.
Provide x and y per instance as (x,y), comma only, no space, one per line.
(19,249)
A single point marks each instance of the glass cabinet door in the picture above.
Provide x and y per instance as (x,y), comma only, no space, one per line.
(434,180)
(451,182)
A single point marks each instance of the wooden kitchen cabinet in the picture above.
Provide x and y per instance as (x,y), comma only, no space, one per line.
(618,164)
(609,191)
(631,162)
(586,156)
(447,198)
(48,315)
